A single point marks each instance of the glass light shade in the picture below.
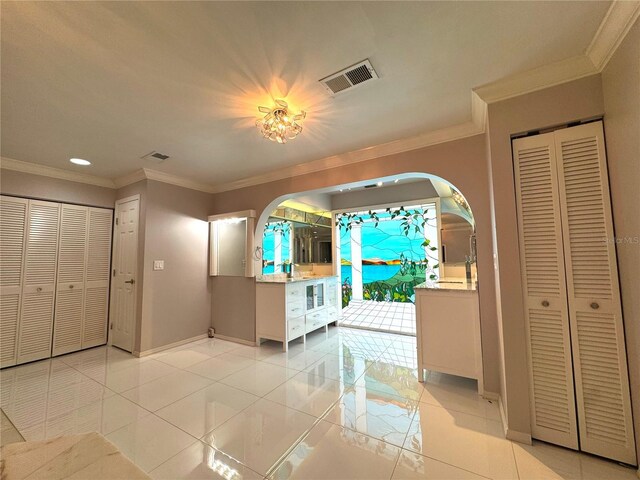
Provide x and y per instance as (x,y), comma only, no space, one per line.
(279,125)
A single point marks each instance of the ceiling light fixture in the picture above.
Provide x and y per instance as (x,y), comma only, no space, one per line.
(379,184)
(279,124)
(80,161)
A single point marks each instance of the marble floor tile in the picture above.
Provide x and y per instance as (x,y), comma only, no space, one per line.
(103,416)
(332,452)
(413,466)
(260,378)
(541,461)
(344,368)
(135,375)
(150,441)
(183,358)
(457,393)
(308,393)
(465,441)
(206,409)
(166,390)
(377,415)
(260,434)
(201,462)
(220,366)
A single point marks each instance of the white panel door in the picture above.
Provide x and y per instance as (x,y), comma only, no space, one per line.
(553,411)
(123,286)
(72,257)
(96,291)
(38,287)
(13,222)
(597,332)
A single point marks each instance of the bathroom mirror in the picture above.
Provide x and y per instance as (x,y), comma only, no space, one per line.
(231,241)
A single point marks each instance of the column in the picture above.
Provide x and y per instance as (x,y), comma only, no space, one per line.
(356,262)
(277,251)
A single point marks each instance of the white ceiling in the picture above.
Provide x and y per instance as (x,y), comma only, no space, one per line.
(112,81)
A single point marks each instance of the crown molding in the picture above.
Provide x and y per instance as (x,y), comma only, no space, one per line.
(536,79)
(614,27)
(52,172)
(133,177)
(176,180)
(443,135)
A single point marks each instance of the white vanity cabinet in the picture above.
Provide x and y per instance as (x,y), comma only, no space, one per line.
(448,329)
(287,309)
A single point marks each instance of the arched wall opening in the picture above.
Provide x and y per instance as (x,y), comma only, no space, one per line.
(462,162)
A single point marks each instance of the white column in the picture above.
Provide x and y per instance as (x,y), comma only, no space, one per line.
(356,262)
(277,252)
(432,234)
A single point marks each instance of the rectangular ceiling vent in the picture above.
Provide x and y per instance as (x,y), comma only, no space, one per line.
(155,156)
(349,78)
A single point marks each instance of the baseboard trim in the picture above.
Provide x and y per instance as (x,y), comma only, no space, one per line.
(492,396)
(235,340)
(169,346)
(509,433)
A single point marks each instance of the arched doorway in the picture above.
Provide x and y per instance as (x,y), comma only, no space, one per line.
(388,236)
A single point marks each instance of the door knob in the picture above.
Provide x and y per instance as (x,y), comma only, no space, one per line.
(70,286)
(39,289)
(132,281)
(545,303)
(595,305)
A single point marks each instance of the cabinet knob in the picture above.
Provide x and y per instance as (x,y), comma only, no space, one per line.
(595,305)
(39,289)
(545,303)
(70,286)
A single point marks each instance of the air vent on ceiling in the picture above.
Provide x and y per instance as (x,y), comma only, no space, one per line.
(349,78)
(373,185)
(156,156)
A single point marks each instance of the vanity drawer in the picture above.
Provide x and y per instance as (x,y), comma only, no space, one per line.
(332,314)
(295,292)
(316,320)
(295,308)
(295,328)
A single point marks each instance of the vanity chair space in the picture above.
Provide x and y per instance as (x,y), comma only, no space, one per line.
(290,308)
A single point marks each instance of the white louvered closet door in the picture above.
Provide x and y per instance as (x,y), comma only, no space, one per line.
(40,259)
(72,260)
(546,313)
(13,223)
(98,268)
(599,354)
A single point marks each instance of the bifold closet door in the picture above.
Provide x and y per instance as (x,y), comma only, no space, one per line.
(597,332)
(38,286)
(553,410)
(72,260)
(13,224)
(98,268)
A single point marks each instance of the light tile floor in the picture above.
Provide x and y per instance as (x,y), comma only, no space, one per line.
(393,317)
(347,404)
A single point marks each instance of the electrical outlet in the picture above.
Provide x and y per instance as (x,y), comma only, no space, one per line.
(158,264)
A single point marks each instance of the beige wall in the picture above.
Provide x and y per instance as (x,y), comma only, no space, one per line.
(176,301)
(580,99)
(461,162)
(45,188)
(621,87)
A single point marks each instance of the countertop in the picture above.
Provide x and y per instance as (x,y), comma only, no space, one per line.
(448,284)
(281,278)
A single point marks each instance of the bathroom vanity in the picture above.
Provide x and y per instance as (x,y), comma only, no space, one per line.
(448,329)
(289,308)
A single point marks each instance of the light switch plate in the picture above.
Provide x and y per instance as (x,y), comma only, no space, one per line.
(158,264)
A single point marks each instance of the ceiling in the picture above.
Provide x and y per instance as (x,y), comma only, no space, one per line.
(112,81)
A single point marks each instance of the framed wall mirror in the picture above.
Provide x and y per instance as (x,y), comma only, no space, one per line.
(231,244)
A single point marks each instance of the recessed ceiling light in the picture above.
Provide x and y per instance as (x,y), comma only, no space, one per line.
(379,184)
(396,180)
(80,161)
